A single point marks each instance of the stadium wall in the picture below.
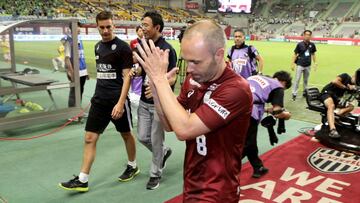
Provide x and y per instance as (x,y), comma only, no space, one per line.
(327,40)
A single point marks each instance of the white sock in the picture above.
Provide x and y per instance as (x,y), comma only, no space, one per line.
(83,177)
(132,163)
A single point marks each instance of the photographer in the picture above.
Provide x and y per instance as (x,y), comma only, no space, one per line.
(265,90)
(188,24)
(331,95)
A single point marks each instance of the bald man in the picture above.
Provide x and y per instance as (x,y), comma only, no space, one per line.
(214,101)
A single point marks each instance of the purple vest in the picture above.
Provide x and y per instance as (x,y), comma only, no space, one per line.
(241,62)
(136,83)
(261,87)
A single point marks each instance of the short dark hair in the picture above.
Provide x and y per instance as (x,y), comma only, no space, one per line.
(283,76)
(309,31)
(191,21)
(156,19)
(138,27)
(239,30)
(104,15)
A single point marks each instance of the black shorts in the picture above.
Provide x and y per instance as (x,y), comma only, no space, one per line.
(326,95)
(100,116)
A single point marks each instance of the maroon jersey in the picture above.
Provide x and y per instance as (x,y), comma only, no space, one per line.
(213,161)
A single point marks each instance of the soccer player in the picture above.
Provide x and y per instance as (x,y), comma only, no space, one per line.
(83,74)
(303,54)
(60,60)
(245,59)
(109,103)
(211,114)
(150,128)
(265,90)
(5,45)
(331,95)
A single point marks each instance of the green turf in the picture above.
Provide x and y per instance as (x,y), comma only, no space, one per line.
(30,170)
(332,60)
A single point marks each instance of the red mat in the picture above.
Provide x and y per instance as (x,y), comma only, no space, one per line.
(302,171)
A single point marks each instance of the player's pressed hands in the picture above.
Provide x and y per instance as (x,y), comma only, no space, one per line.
(154,60)
(117,111)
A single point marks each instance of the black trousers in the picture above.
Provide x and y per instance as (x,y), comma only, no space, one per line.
(71,102)
(251,150)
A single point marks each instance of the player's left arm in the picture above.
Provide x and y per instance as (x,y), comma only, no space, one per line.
(314,59)
(127,61)
(118,109)
(260,60)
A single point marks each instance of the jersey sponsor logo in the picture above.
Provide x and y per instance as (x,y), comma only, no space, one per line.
(102,67)
(222,111)
(332,161)
(190,93)
(113,47)
(106,76)
(259,80)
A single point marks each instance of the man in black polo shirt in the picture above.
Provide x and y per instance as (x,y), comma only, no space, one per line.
(304,53)
(331,95)
(109,103)
(150,128)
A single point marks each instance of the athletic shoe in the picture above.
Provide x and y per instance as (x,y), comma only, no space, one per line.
(334,134)
(166,156)
(129,173)
(258,172)
(75,185)
(293,97)
(153,183)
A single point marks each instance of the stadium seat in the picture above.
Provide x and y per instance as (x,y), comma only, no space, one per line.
(314,103)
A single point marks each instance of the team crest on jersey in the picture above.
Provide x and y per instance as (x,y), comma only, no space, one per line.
(333,161)
(113,47)
(213,87)
(206,97)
